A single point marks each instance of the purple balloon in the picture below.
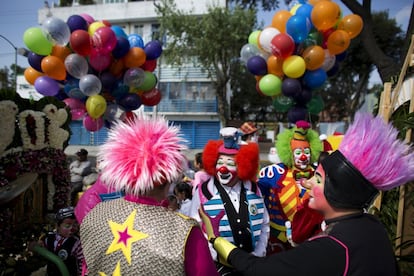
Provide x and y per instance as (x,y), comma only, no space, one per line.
(35,61)
(303,97)
(46,86)
(77,22)
(296,113)
(153,49)
(257,65)
(121,48)
(108,80)
(291,87)
(130,102)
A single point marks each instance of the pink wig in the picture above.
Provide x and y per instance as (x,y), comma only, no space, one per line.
(141,154)
(373,148)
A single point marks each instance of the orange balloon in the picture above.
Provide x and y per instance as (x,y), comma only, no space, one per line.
(30,74)
(352,24)
(338,42)
(61,52)
(279,20)
(314,57)
(275,66)
(325,14)
(314,2)
(135,57)
(117,67)
(53,67)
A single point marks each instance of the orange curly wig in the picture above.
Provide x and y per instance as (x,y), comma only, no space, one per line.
(247,159)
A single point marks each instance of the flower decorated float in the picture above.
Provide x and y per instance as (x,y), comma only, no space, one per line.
(34,174)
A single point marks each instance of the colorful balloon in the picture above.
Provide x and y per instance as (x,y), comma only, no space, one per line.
(153,50)
(35,61)
(80,42)
(76,65)
(104,40)
(151,98)
(57,31)
(279,20)
(257,65)
(338,42)
(47,86)
(254,38)
(53,67)
(325,14)
(77,108)
(270,85)
(150,80)
(135,40)
(92,124)
(36,41)
(121,47)
(294,66)
(265,38)
(134,77)
(275,66)
(315,78)
(31,74)
(95,106)
(298,27)
(282,45)
(77,22)
(291,87)
(314,57)
(135,57)
(90,85)
(60,52)
(247,51)
(352,24)
(130,101)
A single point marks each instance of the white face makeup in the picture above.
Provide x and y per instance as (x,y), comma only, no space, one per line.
(301,157)
(226,170)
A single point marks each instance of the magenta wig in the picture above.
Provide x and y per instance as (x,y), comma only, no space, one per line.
(141,154)
(372,146)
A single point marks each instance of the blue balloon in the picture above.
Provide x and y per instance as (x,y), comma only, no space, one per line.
(298,27)
(120,90)
(121,48)
(135,40)
(257,65)
(153,50)
(119,32)
(305,10)
(315,78)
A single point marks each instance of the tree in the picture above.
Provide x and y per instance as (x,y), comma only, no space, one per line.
(212,40)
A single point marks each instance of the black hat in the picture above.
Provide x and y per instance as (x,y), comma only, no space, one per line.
(82,152)
(67,212)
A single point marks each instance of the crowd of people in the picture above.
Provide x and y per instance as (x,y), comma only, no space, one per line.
(302,215)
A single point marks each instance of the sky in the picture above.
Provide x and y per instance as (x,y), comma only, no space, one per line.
(16,16)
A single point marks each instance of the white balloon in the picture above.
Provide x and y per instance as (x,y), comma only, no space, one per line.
(265,38)
(76,65)
(56,31)
(90,85)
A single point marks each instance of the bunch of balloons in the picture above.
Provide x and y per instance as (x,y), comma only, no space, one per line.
(298,52)
(99,71)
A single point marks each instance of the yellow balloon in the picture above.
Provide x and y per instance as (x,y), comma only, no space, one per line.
(294,66)
(254,37)
(94,26)
(95,106)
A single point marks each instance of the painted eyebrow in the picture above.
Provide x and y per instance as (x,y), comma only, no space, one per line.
(317,173)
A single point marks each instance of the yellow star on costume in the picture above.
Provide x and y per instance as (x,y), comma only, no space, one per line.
(117,271)
(124,236)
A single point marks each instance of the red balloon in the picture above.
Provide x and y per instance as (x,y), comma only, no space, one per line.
(80,42)
(282,45)
(149,65)
(151,97)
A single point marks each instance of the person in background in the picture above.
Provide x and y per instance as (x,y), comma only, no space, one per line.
(200,175)
(370,158)
(183,192)
(173,204)
(231,195)
(78,169)
(65,243)
(137,234)
(249,132)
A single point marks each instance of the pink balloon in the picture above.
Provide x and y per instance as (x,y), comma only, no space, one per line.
(104,40)
(87,17)
(100,61)
(92,124)
(77,108)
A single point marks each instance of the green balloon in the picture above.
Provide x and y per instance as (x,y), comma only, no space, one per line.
(150,80)
(282,103)
(254,38)
(270,85)
(315,105)
(37,42)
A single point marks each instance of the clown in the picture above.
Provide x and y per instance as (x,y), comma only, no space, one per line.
(231,196)
(284,184)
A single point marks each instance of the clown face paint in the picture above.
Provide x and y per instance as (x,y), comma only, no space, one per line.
(68,227)
(226,170)
(317,197)
(301,154)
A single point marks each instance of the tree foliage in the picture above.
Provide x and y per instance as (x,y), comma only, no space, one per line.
(212,40)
